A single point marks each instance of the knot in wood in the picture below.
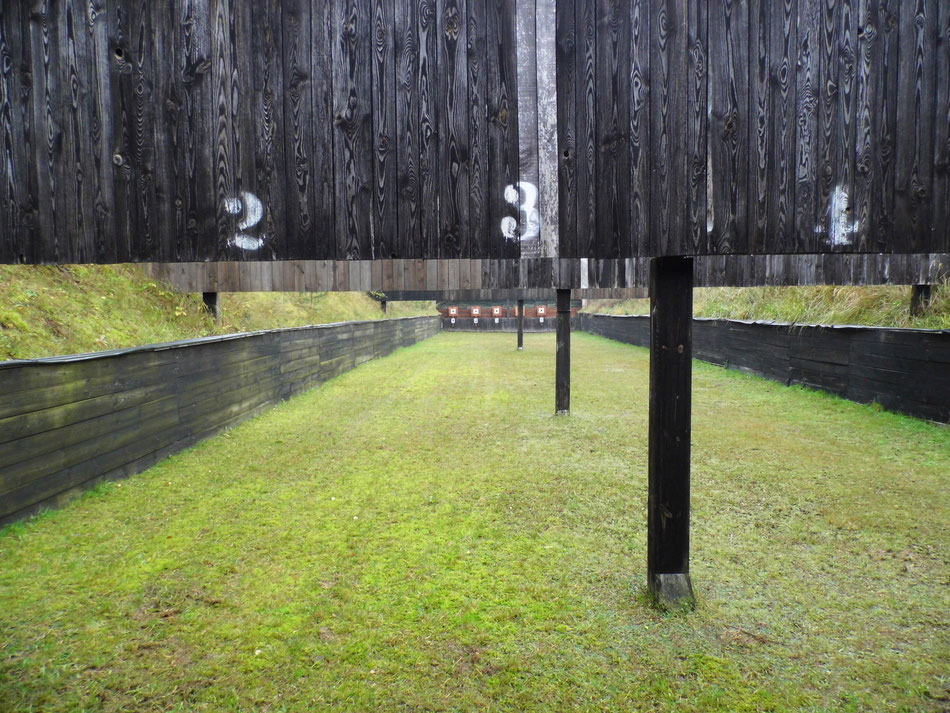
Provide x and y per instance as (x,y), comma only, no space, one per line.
(450,22)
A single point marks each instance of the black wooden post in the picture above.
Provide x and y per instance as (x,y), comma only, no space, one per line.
(671,318)
(520,325)
(212,303)
(920,296)
(382,305)
(562,379)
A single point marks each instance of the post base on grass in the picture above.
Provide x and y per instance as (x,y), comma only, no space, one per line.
(563,412)
(672,591)
(520,349)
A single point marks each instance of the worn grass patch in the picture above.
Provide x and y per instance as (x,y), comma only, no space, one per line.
(422,534)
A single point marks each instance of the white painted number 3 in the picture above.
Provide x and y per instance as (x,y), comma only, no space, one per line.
(528,208)
(253,211)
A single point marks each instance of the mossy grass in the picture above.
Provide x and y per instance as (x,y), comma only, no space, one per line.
(875,306)
(47,311)
(423,534)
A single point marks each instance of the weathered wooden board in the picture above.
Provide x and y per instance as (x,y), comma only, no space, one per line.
(793,126)
(530,277)
(286,129)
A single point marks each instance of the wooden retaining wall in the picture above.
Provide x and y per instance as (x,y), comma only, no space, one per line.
(69,422)
(906,370)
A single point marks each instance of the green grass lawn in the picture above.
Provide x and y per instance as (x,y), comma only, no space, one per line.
(423,534)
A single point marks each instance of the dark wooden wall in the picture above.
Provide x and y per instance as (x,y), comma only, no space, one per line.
(585,274)
(904,370)
(692,127)
(68,422)
(280,129)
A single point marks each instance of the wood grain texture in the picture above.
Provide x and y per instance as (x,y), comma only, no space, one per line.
(215,130)
(566,85)
(612,123)
(913,174)
(385,195)
(941,193)
(453,127)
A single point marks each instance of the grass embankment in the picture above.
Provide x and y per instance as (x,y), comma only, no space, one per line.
(882,306)
(423,534)
(46,311)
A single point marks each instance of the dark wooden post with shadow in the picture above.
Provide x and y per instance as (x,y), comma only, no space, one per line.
(562,380)
(213,303)
(920,297)
(520,325)
(671,316)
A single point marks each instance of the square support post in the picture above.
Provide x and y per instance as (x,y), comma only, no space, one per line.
(520,325)
(671,319)
(213,303)
(562,380)
(920,296)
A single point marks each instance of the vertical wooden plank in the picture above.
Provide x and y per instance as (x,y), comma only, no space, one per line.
(47,146)
(18,200)
(783,43)
(545,40)
(222,71)
(527,100)
(806,140)
(844,231)
(566,77)
(325,169)
(760,141)
(828,137)
(406,48)
(167,173)
(246,240)
(886,135)
(353,139)
(478,243)
(729,114)
(453,128)
(265,106)
(913,174)
(144,110)
(612,121)
(562,377)
(82,131)
(586,141)
(941,192)
(303,163)
(520,325)
(502,123)
(192,61)
(671,317)
(429,138)
(697,128)
(385,193)
(668,106)
(867,65)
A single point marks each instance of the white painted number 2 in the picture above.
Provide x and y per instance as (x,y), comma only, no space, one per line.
(253,211)
(528,208)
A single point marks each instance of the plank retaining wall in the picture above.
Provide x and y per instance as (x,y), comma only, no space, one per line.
(69,422)
(906,370)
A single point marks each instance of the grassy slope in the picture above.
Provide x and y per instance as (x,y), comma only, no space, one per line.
(61,310)
(478,553)
(885,306)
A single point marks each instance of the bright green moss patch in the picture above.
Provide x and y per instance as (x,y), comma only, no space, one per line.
(423,534)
